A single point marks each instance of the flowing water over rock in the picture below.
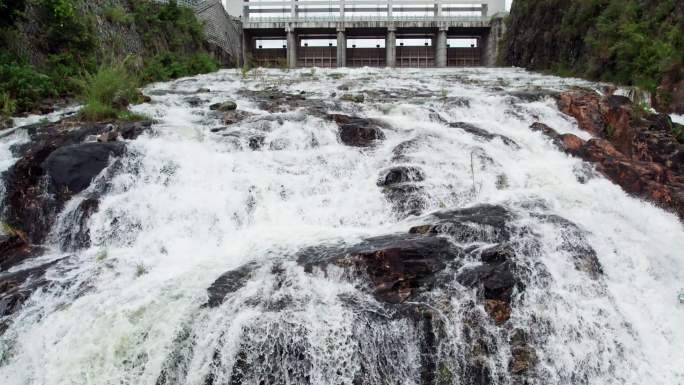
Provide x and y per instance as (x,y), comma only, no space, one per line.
(425,235)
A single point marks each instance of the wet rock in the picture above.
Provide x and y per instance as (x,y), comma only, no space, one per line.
(5,123)
(233,117)
(474,130)
(635,149)
(355,98)
(584,105)
(77,235)
(13,249)
(72,168)
(195,101)
(500,311)
(573,240)
(482,223)
(203,90)
(406,198)
(535,95)
(401,174)
(358,132)
(226,106)
(17,287)
(494,281)
(228,283)
(523,359)
(412,279)
(36,189)
(401,152)
(256,142)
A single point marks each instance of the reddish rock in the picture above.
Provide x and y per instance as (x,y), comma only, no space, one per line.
(571,143)
(500,311)
(584,105)
(636,150)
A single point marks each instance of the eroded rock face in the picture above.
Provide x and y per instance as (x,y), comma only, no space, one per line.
(634,149)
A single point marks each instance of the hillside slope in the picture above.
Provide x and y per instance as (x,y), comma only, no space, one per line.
(631,42)
(47,46)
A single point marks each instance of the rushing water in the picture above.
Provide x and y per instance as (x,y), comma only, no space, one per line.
(190,204)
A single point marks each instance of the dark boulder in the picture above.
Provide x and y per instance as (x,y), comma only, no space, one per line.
(228,283)
(14,249)
(72,168)
(401,174)
(481,133)
(482,223)
(406,198)
(400,265)
(226,106)
(494,281)
(533,95)
(425,280)
(38,184)
(358,132)
(195,101)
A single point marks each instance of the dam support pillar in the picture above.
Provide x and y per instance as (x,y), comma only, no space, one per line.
(490,42)
(391,47)
(291,48)
(341,48)
(441,48)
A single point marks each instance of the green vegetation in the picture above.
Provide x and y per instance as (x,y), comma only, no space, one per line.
(69,59)
(169,65)
(107,93)
(140,269)
(630,42)
(101,255)
(117,14)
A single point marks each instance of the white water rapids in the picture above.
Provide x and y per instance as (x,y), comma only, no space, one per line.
(190,204)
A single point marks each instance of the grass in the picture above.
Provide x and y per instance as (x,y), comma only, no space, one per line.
(101,256)
(106,94)
(7,105)
(140,269)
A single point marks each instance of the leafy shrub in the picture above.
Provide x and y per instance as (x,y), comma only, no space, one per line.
(23,83)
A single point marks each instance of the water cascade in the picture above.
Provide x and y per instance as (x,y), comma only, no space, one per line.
(421,234)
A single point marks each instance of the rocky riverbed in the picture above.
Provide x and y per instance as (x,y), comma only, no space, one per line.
(346,227)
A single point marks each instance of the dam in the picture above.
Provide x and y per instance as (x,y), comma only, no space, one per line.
(385,33)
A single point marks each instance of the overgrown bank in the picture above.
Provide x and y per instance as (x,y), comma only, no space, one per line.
(631,42)
(52,49)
